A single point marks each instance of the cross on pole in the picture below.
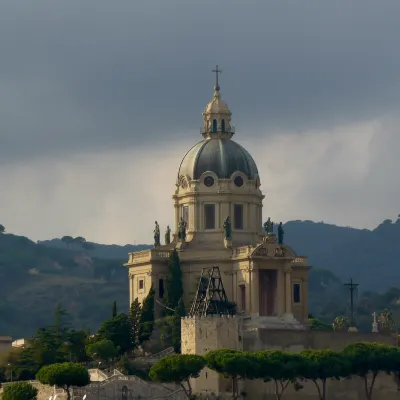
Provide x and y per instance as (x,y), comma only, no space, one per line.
(217,71)
(352,287)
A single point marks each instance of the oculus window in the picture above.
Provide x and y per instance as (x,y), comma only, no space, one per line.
(209,181)
(238,181)
(238,216)
(209,216)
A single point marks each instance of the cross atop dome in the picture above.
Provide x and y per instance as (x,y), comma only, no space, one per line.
(216,115)
(217,71)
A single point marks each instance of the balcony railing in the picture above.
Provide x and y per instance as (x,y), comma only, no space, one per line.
(230,129)
(147,255)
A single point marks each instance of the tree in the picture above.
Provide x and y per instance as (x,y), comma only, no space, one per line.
(280,367)
(135,312)
(68,240)
(19,391)
(147,317)
(114,309)
(178,368)
(173,286)
(176,326)
(103,349)
(2,229)
(320,365)
(118,330)
(368,359)
(233,364)
(64,375)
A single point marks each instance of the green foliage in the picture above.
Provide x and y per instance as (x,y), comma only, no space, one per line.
(147,317)
(318,325)
(320,365)
(173,287)
(233,364)
(280,367)
(19,391)
(178,368)
(368,359)
(118,330)
(104,350)
(64,375)
(114,309)
(135,312)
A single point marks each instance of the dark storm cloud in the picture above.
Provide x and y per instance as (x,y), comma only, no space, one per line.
(79,76)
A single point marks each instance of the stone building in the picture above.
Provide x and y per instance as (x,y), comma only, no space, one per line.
(218,206)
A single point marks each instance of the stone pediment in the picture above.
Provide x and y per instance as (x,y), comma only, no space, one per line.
(271,248)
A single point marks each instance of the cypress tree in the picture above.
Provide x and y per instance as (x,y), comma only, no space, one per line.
(174,287)
(147,317)
(176,326)
(114,309)
(134,317)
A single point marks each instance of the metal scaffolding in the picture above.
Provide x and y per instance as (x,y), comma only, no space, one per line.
(211,298)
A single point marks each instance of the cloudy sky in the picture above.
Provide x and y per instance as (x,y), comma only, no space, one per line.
(99,101)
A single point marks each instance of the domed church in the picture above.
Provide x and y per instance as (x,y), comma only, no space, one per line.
(218,222)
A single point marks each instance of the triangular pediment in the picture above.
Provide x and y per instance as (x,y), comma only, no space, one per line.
(271,248)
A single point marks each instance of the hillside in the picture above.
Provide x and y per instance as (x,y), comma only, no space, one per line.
(35,276)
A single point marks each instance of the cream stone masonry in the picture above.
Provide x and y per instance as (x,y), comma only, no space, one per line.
(217,178)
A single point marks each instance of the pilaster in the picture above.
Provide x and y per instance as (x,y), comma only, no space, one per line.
(255,299)
(288,291)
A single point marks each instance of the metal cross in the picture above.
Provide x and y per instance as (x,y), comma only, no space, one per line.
(217,71)
(352,287)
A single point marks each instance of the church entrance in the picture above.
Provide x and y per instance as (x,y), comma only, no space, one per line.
(268,280)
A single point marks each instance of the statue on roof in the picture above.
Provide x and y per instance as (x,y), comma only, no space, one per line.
(182,230)
(281,232)
(228,228)
(168,235)
(269,226)
(156,233)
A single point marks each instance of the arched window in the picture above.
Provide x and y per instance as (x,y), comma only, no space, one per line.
(214,125)
(223,125)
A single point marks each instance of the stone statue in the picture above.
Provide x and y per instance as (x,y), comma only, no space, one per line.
(168,235)
(340,324)
(281,232)
(182,230)
(228,228)
(386,321)
(269,226)
(156,235)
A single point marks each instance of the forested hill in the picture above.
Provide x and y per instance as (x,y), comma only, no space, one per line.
(87,277)
(368,256)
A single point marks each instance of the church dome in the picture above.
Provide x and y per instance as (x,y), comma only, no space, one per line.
(223,157)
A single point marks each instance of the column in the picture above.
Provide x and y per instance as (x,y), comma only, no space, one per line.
(281,292)
(255,299)
(288,291)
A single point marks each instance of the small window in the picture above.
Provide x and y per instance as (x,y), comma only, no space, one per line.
(209,181)
(185,214)
(223,125)
(296,293)
(209,216)
(214,125)
(238,216)
(141,284)
(161,288)
(238,181)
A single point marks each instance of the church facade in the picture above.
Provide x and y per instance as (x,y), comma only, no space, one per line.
(218,206)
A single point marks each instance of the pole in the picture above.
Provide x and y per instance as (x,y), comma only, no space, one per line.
(352,287)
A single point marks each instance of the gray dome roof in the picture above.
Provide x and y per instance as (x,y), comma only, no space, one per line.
(221,156)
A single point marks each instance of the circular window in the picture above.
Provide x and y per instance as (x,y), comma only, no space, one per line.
(209,181)
(238,181)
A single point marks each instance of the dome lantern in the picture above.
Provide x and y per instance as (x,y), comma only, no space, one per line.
(216,115)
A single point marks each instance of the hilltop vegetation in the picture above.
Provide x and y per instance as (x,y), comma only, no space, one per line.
(87,277)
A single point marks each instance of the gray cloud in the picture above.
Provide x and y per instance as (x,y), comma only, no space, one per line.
(83,80)
(84,76)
